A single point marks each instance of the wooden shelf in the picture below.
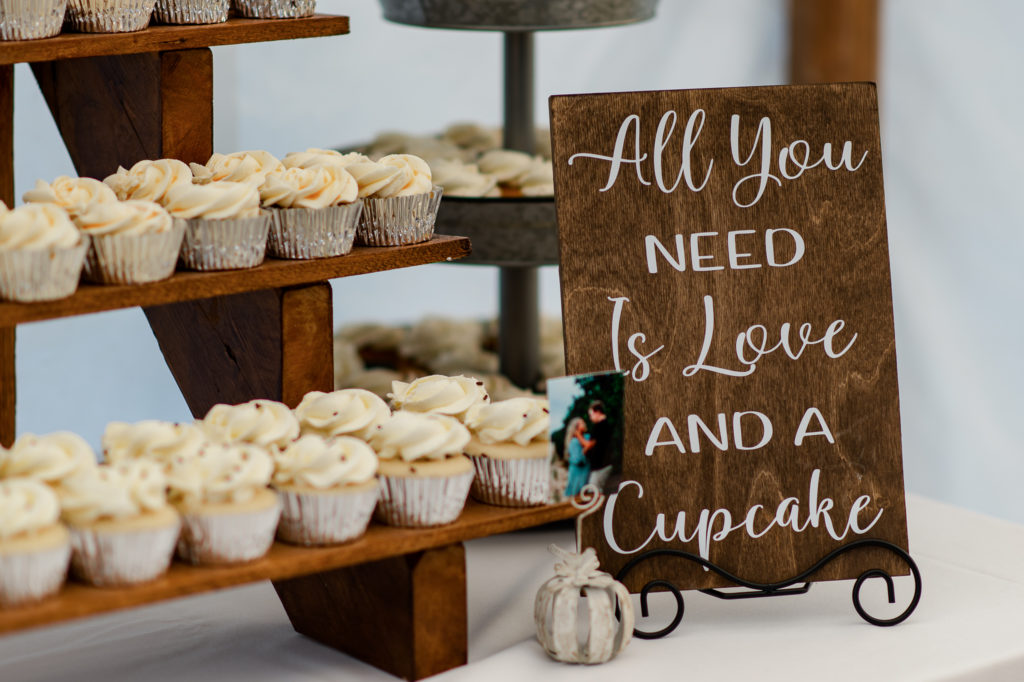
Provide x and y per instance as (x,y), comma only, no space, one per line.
(161,38)
(190,286)
(282,562)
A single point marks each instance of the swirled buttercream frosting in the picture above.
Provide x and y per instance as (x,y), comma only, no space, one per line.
(317,187)
(250,167)
(415,168)
(219,473)
(347,412)
(315,462)
(260,422)
(452,396)
(71,194)
(516,420)
(113,491)
(412,436)
(132,217)
(50,458)
(213,201)
(37,227)
(313,157)
(152,439)
(149,180)
(26,506)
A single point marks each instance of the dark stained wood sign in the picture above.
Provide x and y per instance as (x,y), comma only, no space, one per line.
(727,248)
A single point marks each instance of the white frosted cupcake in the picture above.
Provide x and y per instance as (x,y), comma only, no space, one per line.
(347,412)
(314,158)
(132,241)
(260,422)
(400,201)
(251,167)
(41,253)
(48,459)
(71,194)
(328,489)
(108,16)
(224,227)
(31,19)
(149,180)
(34,547)
(191,11)
(151,439)
(510,450)
(274,9)
(460,179)
(451,396)
(228,514)
(316,211)
(123,531)
(424,476)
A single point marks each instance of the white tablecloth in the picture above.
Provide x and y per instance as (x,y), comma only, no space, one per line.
(969,626)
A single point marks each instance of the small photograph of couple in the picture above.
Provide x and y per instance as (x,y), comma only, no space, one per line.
(586,432)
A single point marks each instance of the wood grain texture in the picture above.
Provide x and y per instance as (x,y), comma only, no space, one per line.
(843,274)
(281,563)
(186,105)
(833,41)
(405,615)
(8,386)
(307,342)
(162,38)
(190,286)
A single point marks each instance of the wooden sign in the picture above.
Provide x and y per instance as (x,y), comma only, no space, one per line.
(727,248)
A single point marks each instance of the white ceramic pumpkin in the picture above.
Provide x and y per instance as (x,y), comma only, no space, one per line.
(555,610)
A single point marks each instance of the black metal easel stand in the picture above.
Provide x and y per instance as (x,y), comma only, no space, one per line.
(779,589)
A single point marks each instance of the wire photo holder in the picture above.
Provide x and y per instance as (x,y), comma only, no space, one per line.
(590,500)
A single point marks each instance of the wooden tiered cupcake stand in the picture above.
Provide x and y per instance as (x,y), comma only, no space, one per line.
(395,598)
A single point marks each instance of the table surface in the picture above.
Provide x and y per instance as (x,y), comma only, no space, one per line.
(969,626)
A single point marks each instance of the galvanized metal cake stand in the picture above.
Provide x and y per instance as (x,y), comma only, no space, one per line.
(515,234)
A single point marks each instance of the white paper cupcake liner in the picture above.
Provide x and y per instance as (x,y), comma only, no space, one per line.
(511,482)
(306,233)
(31,576)
(227,538)
(114,558)
(274,9)
(325,518)
(419,502)
(191,11)
(108,16)
(134,259)
(228,244)
(398,220)
(31,19)
(29,275)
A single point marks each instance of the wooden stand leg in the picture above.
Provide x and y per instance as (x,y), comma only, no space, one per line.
(833,40)
(272,344)
(8,385)
(405,615)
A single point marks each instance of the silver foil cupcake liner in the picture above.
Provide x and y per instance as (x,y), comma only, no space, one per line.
(399,220)
(31,576)
(114,558)
(306,233)
(31,19)
(511,482)
(134,259)
(191,11)
(228,244)
(420,502)
(274,9)
(108,16)
(325,518)
(227,538)
(29,275)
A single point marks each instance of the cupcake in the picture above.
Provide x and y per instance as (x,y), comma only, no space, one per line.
(510,450)
(31,19)
(34,547)
(108,16)
(71,194)
(41,253)
(451,396)
(224,227)
(48,459)
(460,179)
(348,412)
(228,515)
(315,211)
(131,242)
(328,489)
(191,11)
(151,439)
(123,531)
(400,200)
(259,422)
(506,166)
(250,167)
(424,476)
(149,180)
(274,9)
